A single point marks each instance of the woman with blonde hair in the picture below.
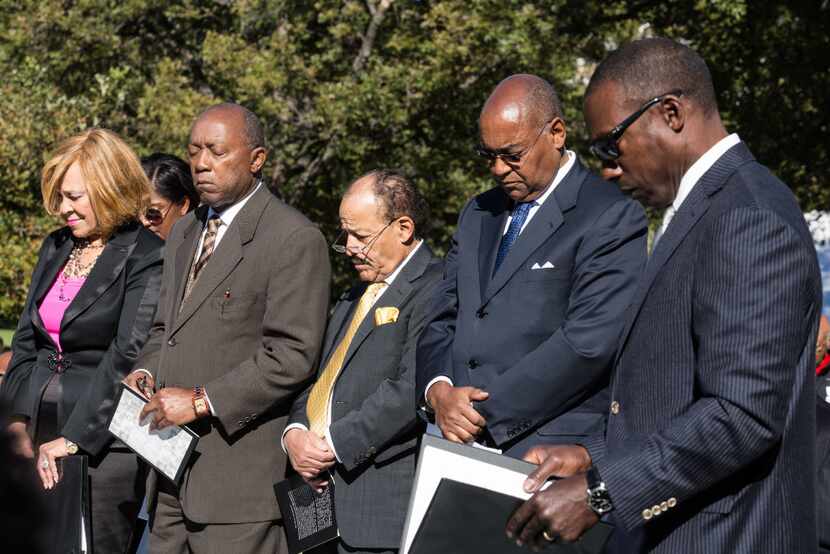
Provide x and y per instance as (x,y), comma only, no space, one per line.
(91,301)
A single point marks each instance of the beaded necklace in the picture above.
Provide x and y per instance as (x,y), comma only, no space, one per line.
(75,268)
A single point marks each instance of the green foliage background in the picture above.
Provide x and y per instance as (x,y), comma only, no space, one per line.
(347,86)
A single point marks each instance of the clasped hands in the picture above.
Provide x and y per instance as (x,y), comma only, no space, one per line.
(454,412)
(169,406)
(310,456)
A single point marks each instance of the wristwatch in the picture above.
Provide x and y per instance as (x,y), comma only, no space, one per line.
(598,498)
(71,447)
(200,405)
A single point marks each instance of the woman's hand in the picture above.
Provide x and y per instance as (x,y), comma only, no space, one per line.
(21,443)
(47,466)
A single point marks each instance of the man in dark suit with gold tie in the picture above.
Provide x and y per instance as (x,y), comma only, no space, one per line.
(240,320)
(358,420)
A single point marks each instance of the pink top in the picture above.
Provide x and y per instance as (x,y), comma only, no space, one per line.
(56,301)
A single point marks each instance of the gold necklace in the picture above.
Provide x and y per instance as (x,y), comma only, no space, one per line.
(75,268)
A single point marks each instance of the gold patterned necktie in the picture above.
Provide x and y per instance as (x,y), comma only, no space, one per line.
(208,246)
(317,407)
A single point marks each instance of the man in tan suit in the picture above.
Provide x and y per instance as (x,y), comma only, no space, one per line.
(240,320)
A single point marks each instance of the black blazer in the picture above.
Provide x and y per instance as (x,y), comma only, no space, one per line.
(540,334)
(710,442)
(101,333)
(374,426)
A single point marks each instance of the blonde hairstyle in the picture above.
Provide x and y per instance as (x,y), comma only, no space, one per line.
(117,187)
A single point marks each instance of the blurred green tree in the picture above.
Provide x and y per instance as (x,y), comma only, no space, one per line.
(346,86)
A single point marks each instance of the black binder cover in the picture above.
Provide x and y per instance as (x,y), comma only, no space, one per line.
(65,503)
(308,516)
(464,518)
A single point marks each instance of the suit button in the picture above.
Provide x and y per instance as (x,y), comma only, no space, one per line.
(664,506)
(656,510)
(672,502)
(372,451)
(473,363)
(171,342)
(647,515)
(481,314)
(615,407)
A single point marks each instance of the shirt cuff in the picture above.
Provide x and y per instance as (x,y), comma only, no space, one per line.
(147,371)
(210,404)
(443,378)
(287,429)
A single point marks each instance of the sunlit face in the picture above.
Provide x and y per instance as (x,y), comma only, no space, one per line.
(642,170)
(535,149)
(221,160)
(374,246)
(161,214)
(75,206)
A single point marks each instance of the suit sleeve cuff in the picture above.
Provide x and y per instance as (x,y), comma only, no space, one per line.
(210,404)
(287,429)
(443,378)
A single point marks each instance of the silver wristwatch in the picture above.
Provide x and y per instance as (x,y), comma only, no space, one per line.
(598,498)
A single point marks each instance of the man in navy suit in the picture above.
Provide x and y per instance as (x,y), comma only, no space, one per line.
(541,269)
(709,445)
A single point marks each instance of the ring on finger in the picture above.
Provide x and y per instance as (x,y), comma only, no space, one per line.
(44,463)
(550,537)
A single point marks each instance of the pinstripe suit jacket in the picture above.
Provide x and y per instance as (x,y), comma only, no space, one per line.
(710,443)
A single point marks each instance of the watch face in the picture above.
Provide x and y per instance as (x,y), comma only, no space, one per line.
(600,502)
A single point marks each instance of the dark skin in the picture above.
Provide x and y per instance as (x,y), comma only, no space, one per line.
(225,169)
(507,126)
(656,151)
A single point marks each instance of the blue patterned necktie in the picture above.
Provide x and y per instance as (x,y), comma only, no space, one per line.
(519,217)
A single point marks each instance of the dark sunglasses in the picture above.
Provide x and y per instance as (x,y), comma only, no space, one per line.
(509,158)
(155,216)
(606,147)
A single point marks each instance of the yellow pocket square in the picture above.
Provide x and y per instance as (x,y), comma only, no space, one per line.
(385,315)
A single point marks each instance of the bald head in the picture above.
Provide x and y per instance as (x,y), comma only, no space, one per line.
(524,100)
(247,120)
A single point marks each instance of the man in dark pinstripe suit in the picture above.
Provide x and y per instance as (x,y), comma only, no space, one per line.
(709,445)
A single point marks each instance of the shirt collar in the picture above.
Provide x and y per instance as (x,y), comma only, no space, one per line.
(391,277)
(560,176)
(228,214)
(701,166)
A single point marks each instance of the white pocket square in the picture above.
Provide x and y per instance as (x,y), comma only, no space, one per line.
(546,265)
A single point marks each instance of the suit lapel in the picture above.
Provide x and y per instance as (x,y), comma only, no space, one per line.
(184,256)
(103,274)
(228,254)
(544,224)
(394,296)
(338,321)
(690,212)
(492,224)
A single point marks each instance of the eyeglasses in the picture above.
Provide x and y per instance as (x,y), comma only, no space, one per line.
(606,147)
(364,250)
(155,216)
(513,160)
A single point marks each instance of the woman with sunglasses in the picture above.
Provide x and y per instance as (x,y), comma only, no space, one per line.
(91,301)
(173,192)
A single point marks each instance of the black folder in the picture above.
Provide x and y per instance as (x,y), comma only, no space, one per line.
(65,504)
(308,516)
(464,518)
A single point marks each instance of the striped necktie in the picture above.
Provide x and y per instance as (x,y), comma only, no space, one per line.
(208,246)
(317,407)
(519,216)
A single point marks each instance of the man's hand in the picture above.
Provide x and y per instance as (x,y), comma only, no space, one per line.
(47,465)
(142,383)
(169,406)
(561,511)
(555,461)
(309,455)
(454,412)
(21,443)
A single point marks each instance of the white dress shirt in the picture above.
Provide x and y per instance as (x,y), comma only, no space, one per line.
(388,281)
(691,177)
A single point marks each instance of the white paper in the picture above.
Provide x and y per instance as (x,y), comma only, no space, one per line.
(436,464)
(165,449)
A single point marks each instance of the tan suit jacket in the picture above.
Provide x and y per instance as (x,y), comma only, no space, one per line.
(250,333)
